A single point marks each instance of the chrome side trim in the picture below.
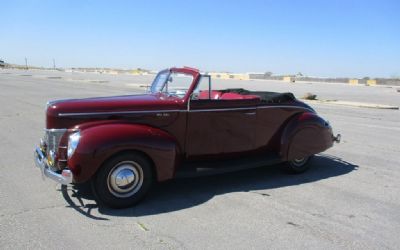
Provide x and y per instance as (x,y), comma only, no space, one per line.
(221,109)
(176,111)
(285,106)
(248,108)
(120,112)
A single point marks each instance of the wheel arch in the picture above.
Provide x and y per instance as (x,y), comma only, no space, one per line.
(100,142)
(133,151)
(305,134)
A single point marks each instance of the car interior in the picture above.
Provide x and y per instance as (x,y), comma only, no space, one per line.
(241,94)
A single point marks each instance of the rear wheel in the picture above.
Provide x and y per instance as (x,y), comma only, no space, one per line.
(298,165)
(123,180)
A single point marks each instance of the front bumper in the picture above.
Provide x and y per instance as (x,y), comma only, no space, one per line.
(65,177)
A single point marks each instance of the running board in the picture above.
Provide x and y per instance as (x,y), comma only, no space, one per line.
(205,168)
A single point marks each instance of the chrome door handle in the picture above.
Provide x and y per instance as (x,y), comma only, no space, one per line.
(250,113)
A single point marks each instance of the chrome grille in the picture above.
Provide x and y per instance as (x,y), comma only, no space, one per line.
(52,139)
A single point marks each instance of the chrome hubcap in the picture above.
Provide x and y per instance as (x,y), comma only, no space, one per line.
(299,162)
(125,179)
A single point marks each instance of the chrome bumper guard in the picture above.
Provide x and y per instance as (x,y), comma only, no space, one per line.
(64,178)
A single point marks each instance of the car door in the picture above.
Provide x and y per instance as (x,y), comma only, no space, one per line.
(220,127)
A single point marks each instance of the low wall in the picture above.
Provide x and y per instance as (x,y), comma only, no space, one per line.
(355,81)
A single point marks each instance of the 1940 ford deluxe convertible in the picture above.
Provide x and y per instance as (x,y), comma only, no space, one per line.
(183,126)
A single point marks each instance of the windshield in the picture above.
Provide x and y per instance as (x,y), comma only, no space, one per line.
(172,83)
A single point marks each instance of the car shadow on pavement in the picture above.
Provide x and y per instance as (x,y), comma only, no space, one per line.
(180,194)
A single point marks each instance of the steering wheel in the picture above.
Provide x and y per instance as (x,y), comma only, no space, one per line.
(178,92)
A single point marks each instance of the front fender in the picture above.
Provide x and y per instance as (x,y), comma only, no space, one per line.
(305,134)
(100,141)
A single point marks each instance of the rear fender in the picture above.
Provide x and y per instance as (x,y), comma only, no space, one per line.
(100,141)
(304,135)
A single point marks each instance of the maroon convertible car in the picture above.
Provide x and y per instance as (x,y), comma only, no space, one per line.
(182,127)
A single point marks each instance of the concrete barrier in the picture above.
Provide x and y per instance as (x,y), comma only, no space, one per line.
(231,76)
(288,79)
(353,81)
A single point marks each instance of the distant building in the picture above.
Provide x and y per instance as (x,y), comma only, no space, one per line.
(226,76)
(254,75)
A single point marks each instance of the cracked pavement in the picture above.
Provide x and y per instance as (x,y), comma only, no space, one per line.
(349,199)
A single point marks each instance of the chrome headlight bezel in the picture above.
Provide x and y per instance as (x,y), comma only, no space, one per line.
(51,158)
(73,142)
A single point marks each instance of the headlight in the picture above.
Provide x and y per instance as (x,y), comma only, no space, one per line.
(51,156)
(73,141)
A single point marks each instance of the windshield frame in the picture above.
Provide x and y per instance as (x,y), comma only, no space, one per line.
(195,75)
(155,81)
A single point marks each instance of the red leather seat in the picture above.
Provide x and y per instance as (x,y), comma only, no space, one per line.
(235,96)
(215,95)
(231,96)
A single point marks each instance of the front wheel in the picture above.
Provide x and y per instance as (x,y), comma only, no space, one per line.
(123,180)
(298,165)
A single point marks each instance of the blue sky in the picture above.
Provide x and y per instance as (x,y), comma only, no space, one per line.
(322,38)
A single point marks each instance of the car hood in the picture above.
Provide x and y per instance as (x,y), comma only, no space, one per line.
(60,109)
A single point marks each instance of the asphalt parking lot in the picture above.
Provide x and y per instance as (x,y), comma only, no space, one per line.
(350,198)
